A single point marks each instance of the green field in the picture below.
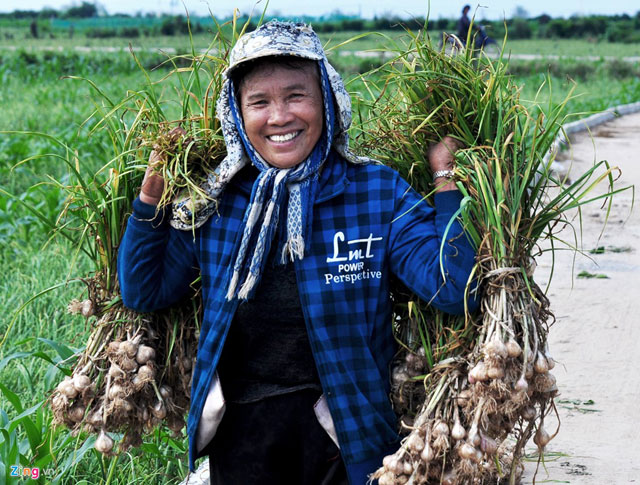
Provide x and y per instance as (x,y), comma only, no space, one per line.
(37,95)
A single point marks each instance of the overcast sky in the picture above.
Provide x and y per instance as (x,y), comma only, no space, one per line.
(492,9)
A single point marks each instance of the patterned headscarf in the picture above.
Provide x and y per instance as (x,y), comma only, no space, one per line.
(270,190)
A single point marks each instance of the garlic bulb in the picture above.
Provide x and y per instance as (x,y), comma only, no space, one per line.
(115,371)
(478,373)
(59,402)
(104,444)
(541,438)
(159,410)
(463,397)
(399,375)
(467,451)
(427,454)
(521,385)
(495,372)
(474,436)
(495,349)
(176,424)
(528,413)
(541,365)
(458,432)
(116,390)
(129,348)
(441,429)
(415,443)
(146,373)
(145,354)
(113,347)
(81,382)
(386,479)
(128,364)
(66,388)
(76,413)
(88,308)
(488,445)
(95,418)
(513,349)
(550,362)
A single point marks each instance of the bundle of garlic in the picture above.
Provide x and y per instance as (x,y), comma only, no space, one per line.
(137,366)
(471,390)
(133,376)
(480,408)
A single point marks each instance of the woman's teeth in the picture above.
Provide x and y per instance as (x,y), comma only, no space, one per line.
(283,138)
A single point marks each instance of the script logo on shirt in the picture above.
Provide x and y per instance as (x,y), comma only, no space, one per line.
(351,265)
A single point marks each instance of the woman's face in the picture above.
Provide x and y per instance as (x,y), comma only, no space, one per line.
(283,112)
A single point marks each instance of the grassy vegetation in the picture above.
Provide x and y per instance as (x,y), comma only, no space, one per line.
(573,48)
(36,97)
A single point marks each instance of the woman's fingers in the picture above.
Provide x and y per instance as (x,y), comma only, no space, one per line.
(441,155)
(152,186)
(153,183)
(176,133)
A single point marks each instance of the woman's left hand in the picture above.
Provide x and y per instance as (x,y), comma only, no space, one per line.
(441,156)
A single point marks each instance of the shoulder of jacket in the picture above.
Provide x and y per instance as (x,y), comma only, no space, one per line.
(370,170)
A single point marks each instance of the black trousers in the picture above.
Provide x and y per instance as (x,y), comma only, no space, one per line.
(275,441)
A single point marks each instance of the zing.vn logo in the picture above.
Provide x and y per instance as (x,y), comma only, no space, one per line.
(29,473)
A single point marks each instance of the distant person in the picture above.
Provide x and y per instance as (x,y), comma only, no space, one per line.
(464,24)
(34,29)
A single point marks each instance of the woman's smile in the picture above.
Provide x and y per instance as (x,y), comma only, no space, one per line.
(284,138)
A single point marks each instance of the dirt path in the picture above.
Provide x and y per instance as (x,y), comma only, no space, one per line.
(374,53)
(596,339)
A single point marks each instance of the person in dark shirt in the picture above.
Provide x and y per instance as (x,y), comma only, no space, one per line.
(464,24)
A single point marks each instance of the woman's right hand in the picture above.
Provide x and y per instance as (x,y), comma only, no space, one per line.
(153,183)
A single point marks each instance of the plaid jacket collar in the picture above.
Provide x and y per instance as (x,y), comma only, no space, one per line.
(333,178)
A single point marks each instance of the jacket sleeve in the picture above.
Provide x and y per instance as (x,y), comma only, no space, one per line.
(156,264)
(438,272)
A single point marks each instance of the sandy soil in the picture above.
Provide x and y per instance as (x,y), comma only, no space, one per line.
(596,338)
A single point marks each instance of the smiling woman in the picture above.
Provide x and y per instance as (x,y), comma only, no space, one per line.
(296,254)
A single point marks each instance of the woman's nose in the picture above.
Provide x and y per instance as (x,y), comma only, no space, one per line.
(280,113)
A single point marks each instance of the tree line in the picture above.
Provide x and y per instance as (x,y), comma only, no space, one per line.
(87,18)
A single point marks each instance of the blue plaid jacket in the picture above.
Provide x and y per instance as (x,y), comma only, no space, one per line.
(368,224)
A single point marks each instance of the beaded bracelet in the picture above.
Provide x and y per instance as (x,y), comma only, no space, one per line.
(448,174)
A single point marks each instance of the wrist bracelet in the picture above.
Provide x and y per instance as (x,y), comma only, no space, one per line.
(448,174)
